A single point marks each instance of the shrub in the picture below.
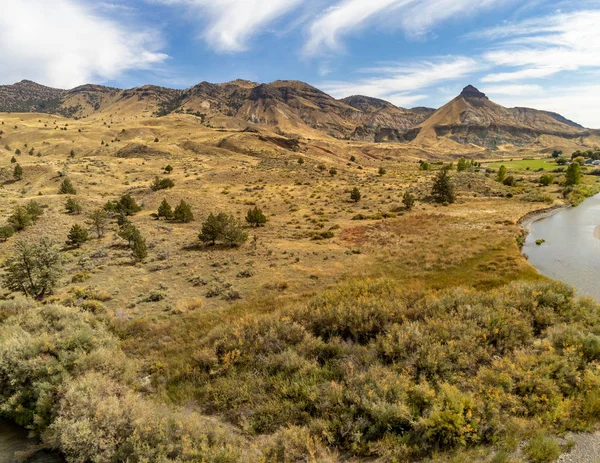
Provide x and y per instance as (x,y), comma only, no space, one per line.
(408,199)
(73,206)
(67,188)
(161,184)
(256,217)
(542,449)
(34,209)
(509,181)
(355,194)
(13,160)
(6,232)
(126,205)
(546,180)
(77,236)
(18,172)
(333,172)
(424,165)
(20,218)
(222,227)
(183,212)
(381,171)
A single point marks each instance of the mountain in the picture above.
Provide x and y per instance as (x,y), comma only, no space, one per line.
(471,118)
(469,121)
(287,105)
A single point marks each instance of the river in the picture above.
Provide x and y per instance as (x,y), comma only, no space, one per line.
(571,251)
(14,439)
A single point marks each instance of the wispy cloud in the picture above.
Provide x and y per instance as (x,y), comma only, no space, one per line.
(399,83)
(543,46)
(64,43)
(415,17)
(229,25)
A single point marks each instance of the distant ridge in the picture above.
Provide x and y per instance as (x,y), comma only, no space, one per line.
(293,106)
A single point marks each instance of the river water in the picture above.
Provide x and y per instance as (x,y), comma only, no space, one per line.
(14,439)
(571,252)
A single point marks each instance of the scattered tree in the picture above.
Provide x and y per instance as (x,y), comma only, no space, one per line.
(355,194)
(98,219)
(462,165)
(573,176)
(33,269)
(139,248)
(13,160)
(34,209)
(424,165)
(77,236)
(556,153)
(6,232)
(222,227)
(164,210)
(256,217)
(168,169)
(382,171)
(183,212)
(501,175)
(72,206)
(20,218)
(67,188)
(126,205)
(443,190)
(333,171)
(18,172)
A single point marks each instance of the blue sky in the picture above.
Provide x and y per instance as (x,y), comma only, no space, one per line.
(540,53)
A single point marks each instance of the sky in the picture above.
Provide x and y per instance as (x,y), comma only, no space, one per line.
(543,54)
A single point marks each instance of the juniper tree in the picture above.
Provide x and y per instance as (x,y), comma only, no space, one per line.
(462,165)
(443,190)
(34,209)
(161,184)
(183,212)
(212,228)
(72,206)
(139,249)
(573,175)
(355,194)
(33,268)
(18,172)
(20,218)
(256,217)
(501,175)
(233,234)
(67,188)
(164,210)
(77,236)
(98,219)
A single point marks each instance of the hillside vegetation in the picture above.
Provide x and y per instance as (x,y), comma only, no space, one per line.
(201,293)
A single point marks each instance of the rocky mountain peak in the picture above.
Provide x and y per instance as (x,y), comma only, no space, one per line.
(471,92)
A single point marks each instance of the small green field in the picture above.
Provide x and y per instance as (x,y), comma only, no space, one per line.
(529,164)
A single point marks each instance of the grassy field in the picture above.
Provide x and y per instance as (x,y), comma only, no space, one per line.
(332,334)
(524,165)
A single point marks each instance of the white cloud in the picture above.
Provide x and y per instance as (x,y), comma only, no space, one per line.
(63,43)
(415,17)
(512,90)
(228,25)
(579,103)
(397,83)
(544,46)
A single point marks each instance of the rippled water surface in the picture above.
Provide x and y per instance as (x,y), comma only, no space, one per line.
(14,439)
(571,252)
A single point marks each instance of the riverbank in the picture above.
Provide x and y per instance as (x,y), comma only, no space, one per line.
(528,219)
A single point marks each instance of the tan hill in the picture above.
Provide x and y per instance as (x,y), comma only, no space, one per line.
(290,106)
(470,122)
(472,119)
